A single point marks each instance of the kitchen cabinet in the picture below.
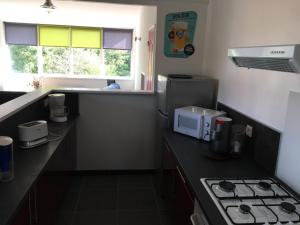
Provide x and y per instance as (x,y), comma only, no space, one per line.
(176,190)
(43,199)
(24,215)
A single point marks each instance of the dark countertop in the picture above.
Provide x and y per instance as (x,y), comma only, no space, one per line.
(13,106)
(191,155)
(28,166)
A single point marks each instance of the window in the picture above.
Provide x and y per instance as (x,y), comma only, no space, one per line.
(63,50)
(117,62)
(24,58)
(117,39)
(86,37)
(56,60)
(86,61)
(21,34)
(54,36)
(117,46)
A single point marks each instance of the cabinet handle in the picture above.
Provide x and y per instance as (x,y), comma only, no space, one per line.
(180,174)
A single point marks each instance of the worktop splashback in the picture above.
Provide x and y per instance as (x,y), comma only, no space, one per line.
(264,143)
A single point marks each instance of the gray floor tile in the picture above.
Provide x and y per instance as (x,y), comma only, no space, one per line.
(113,200)
(97,199)
(167,218)
(138,218)
(69,201)
(136,199)
(135,181)
(95,218)
(63,219)
(163,203)
(75,184)
(101,181)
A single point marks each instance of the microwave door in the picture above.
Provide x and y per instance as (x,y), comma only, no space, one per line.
(187,125)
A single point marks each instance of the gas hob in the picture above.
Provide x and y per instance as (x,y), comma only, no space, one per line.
(244,201)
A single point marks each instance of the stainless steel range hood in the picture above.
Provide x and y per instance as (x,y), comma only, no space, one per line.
(285,58)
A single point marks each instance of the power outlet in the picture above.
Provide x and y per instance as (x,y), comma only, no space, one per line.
(249,131)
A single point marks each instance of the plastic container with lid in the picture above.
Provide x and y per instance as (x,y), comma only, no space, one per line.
(221,135)
(6,159)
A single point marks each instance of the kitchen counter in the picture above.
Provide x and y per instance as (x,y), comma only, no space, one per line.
(28,166)
(191,155)
(11,107)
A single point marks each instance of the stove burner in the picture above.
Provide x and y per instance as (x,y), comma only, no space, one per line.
(264,186)
(287,207)
(245,209)
(227,186)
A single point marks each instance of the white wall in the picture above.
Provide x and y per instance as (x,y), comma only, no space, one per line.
(193,64)
(71,13)
(1,51)
(147,19)
(115,139)
(259,94)
(126,85)
(109,127)
(116,132)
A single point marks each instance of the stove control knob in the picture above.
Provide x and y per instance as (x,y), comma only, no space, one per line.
(207,124)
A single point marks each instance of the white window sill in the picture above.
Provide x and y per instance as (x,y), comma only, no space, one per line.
(60,76)
(86,77)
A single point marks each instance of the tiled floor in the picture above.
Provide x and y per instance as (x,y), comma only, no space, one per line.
(113,200)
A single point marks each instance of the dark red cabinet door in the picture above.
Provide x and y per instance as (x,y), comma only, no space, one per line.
(184,200)
(53,184)
(169,173)
(24,216)
(176,190)
(45,196)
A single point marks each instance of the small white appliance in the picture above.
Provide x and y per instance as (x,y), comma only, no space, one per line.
(58,110)
(196,121)
(33,133)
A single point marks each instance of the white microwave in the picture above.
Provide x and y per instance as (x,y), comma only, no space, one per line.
(196,121)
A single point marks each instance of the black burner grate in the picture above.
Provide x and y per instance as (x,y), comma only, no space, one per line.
(247,184)
(231,187)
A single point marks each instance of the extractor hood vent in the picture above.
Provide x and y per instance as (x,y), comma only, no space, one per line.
(279,58)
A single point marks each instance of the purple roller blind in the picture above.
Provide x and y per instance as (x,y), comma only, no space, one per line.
(20,34)
(117,39)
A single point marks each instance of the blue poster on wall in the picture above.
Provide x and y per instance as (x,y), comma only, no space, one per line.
(179,34)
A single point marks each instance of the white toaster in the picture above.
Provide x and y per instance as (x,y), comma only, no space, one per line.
(33,133)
